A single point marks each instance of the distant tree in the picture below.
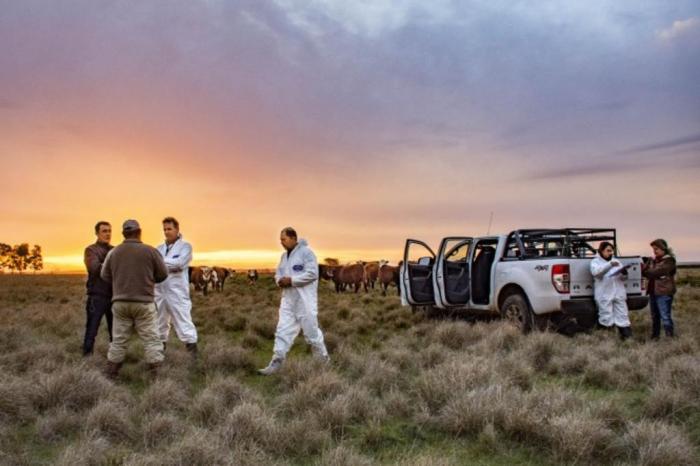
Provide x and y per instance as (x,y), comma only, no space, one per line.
(36,260)
(19,257)
(331,261)
(5,254)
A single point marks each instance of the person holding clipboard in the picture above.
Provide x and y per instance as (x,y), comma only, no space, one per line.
(609,290)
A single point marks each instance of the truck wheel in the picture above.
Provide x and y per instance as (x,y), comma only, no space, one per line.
(516,310)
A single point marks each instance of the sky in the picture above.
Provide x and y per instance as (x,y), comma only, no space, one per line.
(359,123)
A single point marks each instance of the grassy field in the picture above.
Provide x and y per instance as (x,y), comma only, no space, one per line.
(401,389)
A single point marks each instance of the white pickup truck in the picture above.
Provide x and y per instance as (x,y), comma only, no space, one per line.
(530,277)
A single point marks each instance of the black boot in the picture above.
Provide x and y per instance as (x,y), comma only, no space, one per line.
(164,347)
(153,370)
(669,332)
(625,332)
(192,348)
(112,370)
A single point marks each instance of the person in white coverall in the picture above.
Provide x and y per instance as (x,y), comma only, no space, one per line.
(297,275)
(173,295)
(609,290)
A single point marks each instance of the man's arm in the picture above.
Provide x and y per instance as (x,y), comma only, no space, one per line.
(310,271)
(106,270)
(665,267)
(278,271)
(183,260)
(598,271)
(92,261)
(160,270)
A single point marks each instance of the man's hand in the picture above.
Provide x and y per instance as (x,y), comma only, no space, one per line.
(285,282)
(615,263)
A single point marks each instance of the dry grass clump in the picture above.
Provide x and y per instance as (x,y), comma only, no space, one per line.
(381,376)
(162,429)
(656,443)
(165,396)
(297,370)
(541,348)
(311,393)
(198,447)
(675,392)
(221,356)
(301,437)
(520,415)
(110,420)
(75,387)
(58,424)
(428,460)
(356,405)
(453,335)
(577,437)
(15,401)
(248,424)
(457,375)
(500,337)
(265,327)
(86,451)
(343,455)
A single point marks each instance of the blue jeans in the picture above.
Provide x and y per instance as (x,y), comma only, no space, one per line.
(661,313)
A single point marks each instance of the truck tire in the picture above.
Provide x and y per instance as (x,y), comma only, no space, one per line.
(516,310)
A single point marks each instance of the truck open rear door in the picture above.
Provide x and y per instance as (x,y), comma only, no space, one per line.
(451,273)
(417,273)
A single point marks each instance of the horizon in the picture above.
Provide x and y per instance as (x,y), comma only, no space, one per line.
(360,124)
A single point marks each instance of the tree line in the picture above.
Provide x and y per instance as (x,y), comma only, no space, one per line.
(20,257)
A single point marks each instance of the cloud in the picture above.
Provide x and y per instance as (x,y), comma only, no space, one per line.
(634,159)
(369,18)
(669,144)
(680,28)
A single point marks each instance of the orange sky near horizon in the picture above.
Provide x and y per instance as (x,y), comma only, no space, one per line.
(359,126)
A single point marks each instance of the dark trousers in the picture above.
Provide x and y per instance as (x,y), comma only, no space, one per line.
(661,314)
(96,307)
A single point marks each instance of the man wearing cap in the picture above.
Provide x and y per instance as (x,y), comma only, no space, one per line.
(133,269)
(173,295)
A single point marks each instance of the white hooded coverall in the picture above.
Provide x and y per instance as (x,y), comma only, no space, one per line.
(609,292)
(299,305)
(173,295)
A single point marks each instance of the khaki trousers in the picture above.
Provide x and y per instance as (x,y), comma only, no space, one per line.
(142,317)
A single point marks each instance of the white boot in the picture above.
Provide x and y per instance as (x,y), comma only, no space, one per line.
(274,366)
(320,354)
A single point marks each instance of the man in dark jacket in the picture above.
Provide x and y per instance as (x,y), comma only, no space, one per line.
(99,292)
(133,269)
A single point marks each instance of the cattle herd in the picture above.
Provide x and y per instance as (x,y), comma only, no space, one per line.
(351,277)
(361,275)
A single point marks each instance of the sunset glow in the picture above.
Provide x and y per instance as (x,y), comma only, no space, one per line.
(358,126)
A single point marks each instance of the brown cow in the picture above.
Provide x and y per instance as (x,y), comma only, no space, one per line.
(201,277)
(350,275)
(252,276)
(389,274)
(372,271)
(222,274)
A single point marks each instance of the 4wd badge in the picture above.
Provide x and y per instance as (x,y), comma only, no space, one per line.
(542,268)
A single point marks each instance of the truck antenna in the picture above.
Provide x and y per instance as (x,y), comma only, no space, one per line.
(488,232)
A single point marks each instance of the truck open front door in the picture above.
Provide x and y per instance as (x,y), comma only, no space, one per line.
(452,280)
(417,273)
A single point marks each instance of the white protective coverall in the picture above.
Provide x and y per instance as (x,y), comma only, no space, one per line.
(609,292)
(299,306)
(173,295)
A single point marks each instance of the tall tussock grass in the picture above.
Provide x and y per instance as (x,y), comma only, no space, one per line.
(401,388)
